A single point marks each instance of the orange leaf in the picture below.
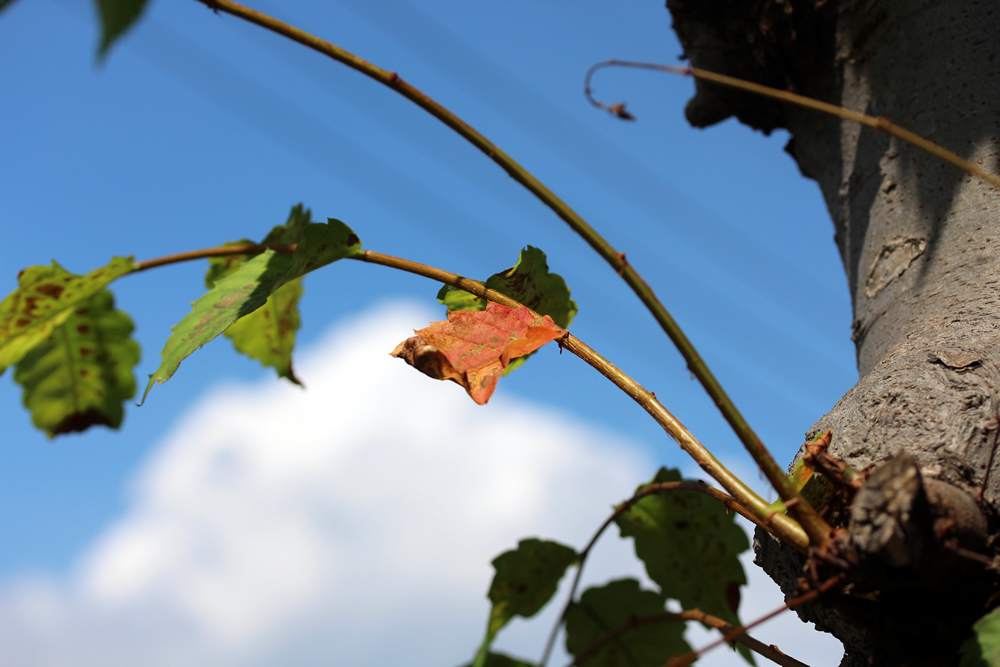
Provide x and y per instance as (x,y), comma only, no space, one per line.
(474,347)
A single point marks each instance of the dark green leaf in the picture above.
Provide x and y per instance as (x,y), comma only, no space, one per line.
(5,3)
(525,580)
(528,282)
(117,16)
(248,288)
(601,610)
(291,231)
(81,373)
(45,299)
(502,660)
(690,547)
(982,649)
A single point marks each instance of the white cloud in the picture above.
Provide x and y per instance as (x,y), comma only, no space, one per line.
(349,524)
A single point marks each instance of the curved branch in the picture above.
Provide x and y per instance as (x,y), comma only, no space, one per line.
(660,487)
(743,497)
(736,633)
(815,526)
(781,525)
(875,122)
(220,251)
(770,652)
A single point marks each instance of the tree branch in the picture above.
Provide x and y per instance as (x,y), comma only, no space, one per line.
(220,251)
(878,123)
(770,652)
(735,633)
(783,526)
(743,497)
(816,528)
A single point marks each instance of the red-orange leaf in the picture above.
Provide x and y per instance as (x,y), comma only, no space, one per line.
(474,347)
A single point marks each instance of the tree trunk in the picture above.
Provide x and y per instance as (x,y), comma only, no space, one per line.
(919,242)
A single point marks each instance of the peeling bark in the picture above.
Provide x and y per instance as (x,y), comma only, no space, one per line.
(920,244)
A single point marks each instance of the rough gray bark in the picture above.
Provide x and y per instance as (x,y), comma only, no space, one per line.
(919,241)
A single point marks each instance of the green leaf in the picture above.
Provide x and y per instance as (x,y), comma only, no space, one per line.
(458,299)
(528,282)
(291,231)
(502,660)
(525,580)
(80,375)
(982,649)
(248,288)
(690,547)
(117,16)
(601,610)
(268,333)
(45,299)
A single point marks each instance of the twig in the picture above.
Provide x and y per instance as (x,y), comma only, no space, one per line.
(783,526)
(879,122)
(770,652)
(733,634)
(816,528)
(698,486)
(221,251)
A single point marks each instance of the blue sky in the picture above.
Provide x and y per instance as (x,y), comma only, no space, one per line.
(200,129)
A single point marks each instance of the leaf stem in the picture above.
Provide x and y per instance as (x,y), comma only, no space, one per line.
(876,122)
(815,527)
(770,652)
(660,487)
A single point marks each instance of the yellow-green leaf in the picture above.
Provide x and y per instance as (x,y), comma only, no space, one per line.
(44,299)
(81,374)
(248,288)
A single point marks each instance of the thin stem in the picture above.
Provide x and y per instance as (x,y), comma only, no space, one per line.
(783,526)
(770,652)
(735,633)
(815,527)
(660,487)
(744,498)
(876,122)
(220,251)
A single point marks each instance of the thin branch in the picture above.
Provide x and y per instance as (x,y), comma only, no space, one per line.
(660,487)
(735,633)
(783,526)
(220,251)
(876,122)
(743,497)
(770,652)
(817,529)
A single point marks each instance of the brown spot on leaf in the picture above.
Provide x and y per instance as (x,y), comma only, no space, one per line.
(51,291)
(352,239)
(86,351)
(22,322)
(83,329)
(81,421)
